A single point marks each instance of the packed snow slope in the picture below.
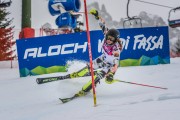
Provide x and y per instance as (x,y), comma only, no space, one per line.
(24,99)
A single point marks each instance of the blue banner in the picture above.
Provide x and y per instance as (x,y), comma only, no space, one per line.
(141,46)
(145,41)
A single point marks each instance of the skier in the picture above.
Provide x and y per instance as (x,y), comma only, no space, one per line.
(108,62)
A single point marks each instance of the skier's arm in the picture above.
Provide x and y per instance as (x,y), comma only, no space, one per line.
(116,54)
(102,25)
(114,68)
(100,20)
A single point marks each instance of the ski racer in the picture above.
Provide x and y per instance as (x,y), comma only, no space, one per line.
(108,62)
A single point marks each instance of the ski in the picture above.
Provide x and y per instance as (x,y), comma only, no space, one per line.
(81,73)
(79,94)
(51,79)
(65,100)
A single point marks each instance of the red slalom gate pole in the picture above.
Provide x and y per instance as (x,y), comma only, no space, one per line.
(90,52)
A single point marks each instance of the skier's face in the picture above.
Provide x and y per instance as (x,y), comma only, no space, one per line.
(110,40)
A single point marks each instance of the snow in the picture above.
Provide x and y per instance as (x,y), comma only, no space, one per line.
(23,99)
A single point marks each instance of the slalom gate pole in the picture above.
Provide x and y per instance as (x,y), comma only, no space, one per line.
(90,52)
(142,84)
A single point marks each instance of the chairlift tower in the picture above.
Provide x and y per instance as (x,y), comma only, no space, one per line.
(27,31)
(26,13)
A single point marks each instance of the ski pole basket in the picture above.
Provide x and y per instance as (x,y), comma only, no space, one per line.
(174,22)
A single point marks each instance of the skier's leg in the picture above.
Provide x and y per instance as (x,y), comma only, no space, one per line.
(81,73)
(97,63)
(88,86)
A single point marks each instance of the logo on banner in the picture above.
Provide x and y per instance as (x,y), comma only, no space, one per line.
(55,50)
(140,42)
(145,43)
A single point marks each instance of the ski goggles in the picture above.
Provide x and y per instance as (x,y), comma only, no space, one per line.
(110,38)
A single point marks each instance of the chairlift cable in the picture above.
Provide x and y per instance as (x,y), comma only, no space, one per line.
(154,4)
(172,23)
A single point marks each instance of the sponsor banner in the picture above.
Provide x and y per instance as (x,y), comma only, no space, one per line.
(141,46)
(145,41)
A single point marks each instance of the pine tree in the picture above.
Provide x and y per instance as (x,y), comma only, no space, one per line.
(6,36)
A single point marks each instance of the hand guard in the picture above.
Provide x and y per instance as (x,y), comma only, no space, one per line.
(109,78)
(95,13)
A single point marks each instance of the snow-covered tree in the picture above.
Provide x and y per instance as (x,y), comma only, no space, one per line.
(6,36)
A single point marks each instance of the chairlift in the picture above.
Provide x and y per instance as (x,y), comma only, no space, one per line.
(175,22)
(5,4)
(131,19)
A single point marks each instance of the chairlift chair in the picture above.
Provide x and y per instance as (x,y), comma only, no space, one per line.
(130,19)
(176,22)
(5,4)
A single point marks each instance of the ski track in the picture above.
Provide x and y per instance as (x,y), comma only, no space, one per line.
(24,99)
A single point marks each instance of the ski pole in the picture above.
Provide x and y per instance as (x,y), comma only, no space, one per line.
(141,84)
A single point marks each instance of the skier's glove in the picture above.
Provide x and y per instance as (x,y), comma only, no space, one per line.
(95,13)
(109,78)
